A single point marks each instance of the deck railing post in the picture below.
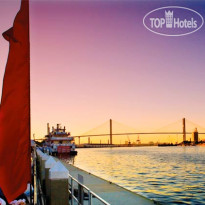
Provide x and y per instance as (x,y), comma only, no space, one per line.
(72,192)
(39,162)
(58,179)
(43,158)
(48,165)
(80,194)
(89,198)
(80,189)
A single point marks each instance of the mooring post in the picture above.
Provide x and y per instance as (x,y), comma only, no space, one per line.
(38,161)
(44,158)
(38,154)
(58,180)
(48,165)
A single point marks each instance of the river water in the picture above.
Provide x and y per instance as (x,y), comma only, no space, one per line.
(171,175)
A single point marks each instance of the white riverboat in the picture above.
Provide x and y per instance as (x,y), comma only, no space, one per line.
(58,141)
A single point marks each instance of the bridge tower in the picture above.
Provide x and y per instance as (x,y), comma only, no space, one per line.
(184,129)
(195,136)
(110,131)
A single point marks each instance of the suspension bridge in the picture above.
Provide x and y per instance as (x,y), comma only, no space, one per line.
(113,132)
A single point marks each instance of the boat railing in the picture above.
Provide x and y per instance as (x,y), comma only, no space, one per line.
(39,197)
(81,195)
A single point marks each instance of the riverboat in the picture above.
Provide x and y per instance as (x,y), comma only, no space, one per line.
(58,141)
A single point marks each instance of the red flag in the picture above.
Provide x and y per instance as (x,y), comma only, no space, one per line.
(15,170)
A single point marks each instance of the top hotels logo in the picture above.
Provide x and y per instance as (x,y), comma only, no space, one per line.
(169,19)
(173,21)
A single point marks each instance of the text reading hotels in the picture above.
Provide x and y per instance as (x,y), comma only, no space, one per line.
(173,21)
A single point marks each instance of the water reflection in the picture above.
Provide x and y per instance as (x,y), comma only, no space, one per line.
(70,159)
(168,174)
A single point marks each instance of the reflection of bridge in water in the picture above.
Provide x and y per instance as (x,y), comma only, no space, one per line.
(112,128)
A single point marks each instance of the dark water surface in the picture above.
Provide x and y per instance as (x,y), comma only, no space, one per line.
(172,175)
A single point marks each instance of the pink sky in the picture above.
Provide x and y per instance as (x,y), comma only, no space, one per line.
(92,61)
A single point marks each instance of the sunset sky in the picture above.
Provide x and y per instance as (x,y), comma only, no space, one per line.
(94,60)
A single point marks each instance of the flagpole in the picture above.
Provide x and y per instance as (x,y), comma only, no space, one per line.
(31,195)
